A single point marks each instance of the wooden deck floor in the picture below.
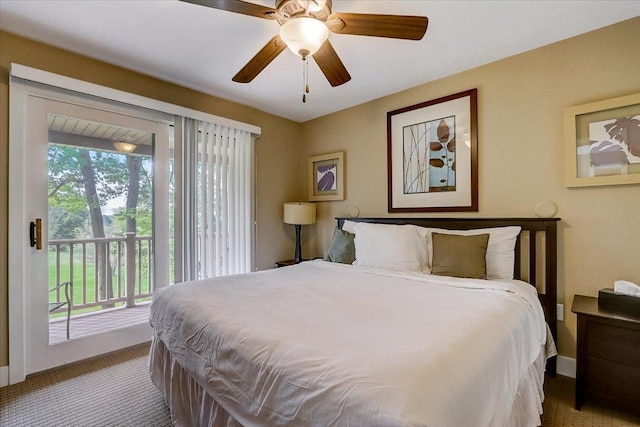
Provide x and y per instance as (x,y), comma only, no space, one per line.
(96,322)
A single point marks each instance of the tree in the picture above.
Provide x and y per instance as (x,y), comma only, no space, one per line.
(133,191)
(65,224)
(103,263)
(83,180)
(137,214)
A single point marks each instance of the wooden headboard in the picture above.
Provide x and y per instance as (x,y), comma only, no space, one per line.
(538,237)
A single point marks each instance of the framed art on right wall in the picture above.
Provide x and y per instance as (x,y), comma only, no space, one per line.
(602,142)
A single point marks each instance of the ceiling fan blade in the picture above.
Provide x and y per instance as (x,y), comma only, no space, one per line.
(237,6)
(258,63)
(331,65)
(392,26)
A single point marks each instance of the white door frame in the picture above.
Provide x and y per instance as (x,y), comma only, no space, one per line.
(21,361)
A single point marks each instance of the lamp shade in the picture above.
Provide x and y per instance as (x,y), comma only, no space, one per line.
(299,213)
(304,35)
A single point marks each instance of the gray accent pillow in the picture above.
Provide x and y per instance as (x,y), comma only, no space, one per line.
(342,248)
(460,256)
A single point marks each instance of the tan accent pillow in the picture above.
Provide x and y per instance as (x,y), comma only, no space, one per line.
(460,256)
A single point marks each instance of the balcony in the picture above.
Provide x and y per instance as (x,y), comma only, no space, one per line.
(82,325)
(111,284)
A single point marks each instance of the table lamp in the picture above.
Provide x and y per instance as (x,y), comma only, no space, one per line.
(299,214)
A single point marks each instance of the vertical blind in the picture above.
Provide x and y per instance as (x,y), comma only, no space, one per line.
(218,200)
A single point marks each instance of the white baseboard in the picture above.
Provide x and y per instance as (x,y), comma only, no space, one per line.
(566,366)
(4,376)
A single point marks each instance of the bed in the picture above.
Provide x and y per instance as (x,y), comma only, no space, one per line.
(325,343)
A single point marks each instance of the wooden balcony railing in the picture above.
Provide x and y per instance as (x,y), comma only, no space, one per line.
(103,271)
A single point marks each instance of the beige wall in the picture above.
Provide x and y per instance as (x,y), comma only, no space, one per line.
(277,151)
(520,104)
(521,159)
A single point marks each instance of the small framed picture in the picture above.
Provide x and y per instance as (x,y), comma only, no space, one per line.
(326,177)
(602,142)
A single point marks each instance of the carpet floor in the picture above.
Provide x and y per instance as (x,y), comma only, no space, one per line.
(115,390)
(112,390)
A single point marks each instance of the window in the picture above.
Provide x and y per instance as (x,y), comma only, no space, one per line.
(217,200)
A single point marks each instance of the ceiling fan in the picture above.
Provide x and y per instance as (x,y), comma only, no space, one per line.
(304,29)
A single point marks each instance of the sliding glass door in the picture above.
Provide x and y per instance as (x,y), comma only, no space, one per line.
(96,196)
(113,196)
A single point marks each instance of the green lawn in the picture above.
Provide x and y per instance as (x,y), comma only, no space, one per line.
(77,275)
(77,280)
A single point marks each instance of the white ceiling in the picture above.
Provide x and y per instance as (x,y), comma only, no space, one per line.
(202,48)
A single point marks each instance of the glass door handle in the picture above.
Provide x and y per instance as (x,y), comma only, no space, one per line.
(35,233)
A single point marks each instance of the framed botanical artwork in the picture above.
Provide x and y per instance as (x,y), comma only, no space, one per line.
(432,155)
(326,177)
(602,142)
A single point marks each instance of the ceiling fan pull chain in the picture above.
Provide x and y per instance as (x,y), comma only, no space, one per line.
(305,82)
(306,75)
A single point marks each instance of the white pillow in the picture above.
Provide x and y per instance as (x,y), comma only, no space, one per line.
(349,226)
(500,256)
(395,247)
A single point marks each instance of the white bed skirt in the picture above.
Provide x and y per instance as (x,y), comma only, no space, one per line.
(191,406)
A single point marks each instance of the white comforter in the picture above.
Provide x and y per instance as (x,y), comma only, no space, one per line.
(326,344)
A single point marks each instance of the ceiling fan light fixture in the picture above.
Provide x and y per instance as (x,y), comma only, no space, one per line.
(124,147)
(304,35)
(316,5)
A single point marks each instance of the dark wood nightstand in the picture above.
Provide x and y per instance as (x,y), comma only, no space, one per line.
(292,262)
(608,359)
(287,263)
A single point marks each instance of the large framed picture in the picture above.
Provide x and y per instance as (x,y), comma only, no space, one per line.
(432,155)
(602,142)
(326,177)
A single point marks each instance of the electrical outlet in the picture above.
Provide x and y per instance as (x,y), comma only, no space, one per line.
(560,312)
